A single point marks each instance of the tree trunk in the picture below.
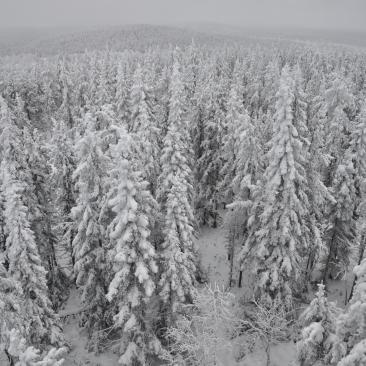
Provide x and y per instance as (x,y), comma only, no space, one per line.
(360,257)
(231,258)
(71,248)
(10,358)
(331,247)
(310,264)
(240,278)
(268,353)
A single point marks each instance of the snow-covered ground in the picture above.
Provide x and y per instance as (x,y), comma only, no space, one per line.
(212,246)
(3,359)
(76,337)
(283,354)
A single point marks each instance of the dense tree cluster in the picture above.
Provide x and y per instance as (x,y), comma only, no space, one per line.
(111,161)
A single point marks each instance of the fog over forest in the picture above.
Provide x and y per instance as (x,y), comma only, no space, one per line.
(323,14)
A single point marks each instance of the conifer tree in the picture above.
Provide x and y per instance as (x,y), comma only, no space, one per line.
(358,151)
(271,79)
(65,112)
(144,128)
(138,102)
(246,168)
(122,93)
(62,160)
(236,122)
(350,347)
(22,258)
(175,196)
(339,102)
(341,229)
(43,222)
(319,195)
(300,105)
(209,120)
(279,233)
(15,324)
(11,315)
(89,241)
(12,150)
(106,79)
(25,264)
(318,322)
(247,162)
(133,255)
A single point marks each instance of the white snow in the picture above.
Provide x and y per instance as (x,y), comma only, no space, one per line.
(283,354)
(76,337)
(212,246)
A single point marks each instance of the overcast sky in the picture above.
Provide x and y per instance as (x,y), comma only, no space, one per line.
(331,14)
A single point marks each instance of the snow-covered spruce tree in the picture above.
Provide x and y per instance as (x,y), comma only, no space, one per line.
(65,112)
(90,239)
(318,322)
(12,149)
(191,66)
(350,347)
(106,80)
(196,116)
(247,165)
(25,266)
(133,255)
(11,316)
(236,121)
(358,150)
(300,105)
(337,139)
(339,103)
(209,127)
(247,159)
(178,255)
(122,93)
(279,234)
(142,125)
(271,78)
(338,95)
(106,125)
(43,222)
(14,323)
(242,156)
(139,109)
(19,113)
(161,107)
(62,160)
(319,195)
(20,354)
(22,258)
(340,232)
(36,164)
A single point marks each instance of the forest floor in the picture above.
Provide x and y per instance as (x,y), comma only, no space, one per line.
(77,339)
(212,246)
